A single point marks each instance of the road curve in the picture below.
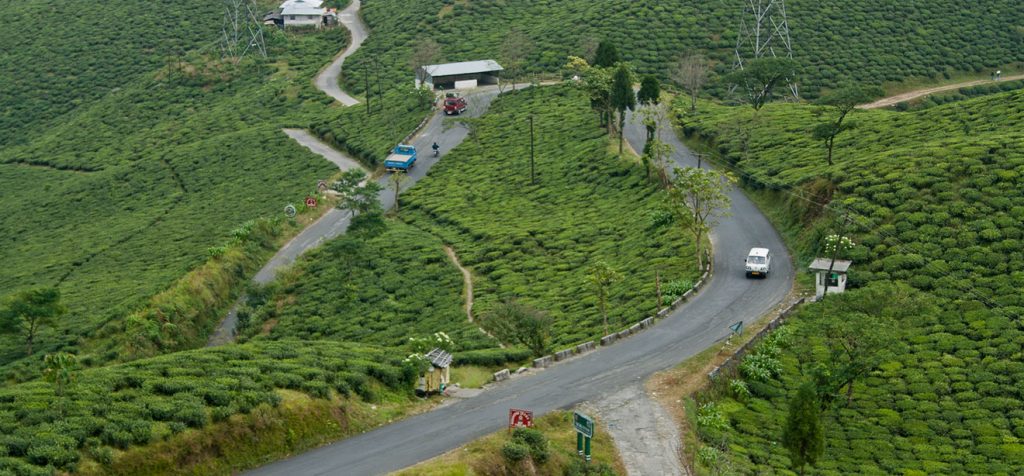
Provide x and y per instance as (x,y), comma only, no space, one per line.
(327,80)
(727,298)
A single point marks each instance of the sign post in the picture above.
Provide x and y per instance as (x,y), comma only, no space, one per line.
(737,328)
(584,432)
(519,418)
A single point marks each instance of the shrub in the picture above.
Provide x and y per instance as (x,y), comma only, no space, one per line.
(514,452)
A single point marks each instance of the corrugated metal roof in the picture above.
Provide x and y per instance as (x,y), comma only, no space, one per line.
(465,67)
(315,3)
(301,7)
(439,358)
(821,264)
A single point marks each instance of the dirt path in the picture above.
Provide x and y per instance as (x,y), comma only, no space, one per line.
(467,278)
(644,433)
(907,96)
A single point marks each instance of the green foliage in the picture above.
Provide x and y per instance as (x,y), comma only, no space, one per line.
(761,78)
(491,357)
(673,290)
(26,312)
(699,198)
(380,289)
(358,195)
(514,322)
(650,90)
(606,55)
(123,405)
(803,435)
(536,242)
(893,40)
(931,205)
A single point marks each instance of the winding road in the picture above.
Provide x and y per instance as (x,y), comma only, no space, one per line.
(728,297)
(328,79)
(917,93)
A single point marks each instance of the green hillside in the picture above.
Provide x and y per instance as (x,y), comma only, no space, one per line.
(935,201)
(127,194)
(835,41)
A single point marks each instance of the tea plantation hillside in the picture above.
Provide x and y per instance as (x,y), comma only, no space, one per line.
(835,41)
(129,193)
(935,200)
(60,56)
(165,400)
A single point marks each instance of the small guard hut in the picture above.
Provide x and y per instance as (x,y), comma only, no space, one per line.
(437,378)
(464,75)
(836,281)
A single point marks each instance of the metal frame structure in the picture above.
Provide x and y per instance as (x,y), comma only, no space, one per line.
(770,32)
(241,31)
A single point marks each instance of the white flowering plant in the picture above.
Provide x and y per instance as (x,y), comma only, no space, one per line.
(842,242)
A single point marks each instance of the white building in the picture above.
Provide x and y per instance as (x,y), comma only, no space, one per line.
(302,13)
(836,281)
(467,74)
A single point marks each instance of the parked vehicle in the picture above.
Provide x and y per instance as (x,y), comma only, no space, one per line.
(759,262)
(455,105)
(402,158)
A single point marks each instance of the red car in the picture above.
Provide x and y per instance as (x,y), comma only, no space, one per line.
(456,105)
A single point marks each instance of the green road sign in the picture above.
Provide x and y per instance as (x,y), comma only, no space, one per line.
(584,424)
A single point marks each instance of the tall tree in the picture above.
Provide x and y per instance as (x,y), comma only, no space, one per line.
(842,101)
(803,434)
(28,311)
(606,55)
(513,322)
(602,277)
(597,82)
(698,198)
(759,78)
(59,369)
(425,52)
(623,97)
(515,48)
(691,72)
(359,195)
(650,91)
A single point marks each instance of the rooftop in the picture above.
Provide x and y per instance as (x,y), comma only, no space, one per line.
(301,7)
(439,358)
(821,264)
(759,252)
(465,67)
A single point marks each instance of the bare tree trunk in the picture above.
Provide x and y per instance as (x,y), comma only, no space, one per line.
(657,288)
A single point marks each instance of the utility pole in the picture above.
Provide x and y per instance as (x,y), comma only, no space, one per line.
(366,87)
(764,32)
(533,180)
(835,251)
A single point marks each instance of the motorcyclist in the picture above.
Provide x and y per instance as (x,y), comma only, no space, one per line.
(436,148)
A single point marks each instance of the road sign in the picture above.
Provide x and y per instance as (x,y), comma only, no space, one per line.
(584,424)
(310,202)
(321,186)
(289,210)
(737,327)
(519,418)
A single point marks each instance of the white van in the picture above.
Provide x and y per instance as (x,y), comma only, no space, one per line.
(759,262)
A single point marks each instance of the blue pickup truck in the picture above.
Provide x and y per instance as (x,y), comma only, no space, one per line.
(402,158)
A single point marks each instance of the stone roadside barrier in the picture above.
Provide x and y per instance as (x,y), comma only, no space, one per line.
(542,362)
(562,355)
(502,374)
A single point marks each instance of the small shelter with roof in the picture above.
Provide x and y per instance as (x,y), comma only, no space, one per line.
(836,280)
(293,13)
(436,379)
(464,75)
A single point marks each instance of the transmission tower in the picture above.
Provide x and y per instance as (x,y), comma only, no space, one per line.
(241,31)
(764,31)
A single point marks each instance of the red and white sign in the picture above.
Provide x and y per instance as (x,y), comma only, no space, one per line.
(519,418)
(310,202)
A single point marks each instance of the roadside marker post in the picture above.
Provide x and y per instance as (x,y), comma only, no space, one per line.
(517,418)
(584,432)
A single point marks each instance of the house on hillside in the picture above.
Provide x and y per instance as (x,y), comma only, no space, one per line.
(302,13)
(467,74)
(436,379)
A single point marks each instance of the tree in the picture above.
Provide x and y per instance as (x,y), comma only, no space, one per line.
(602,276)
(691,72)
(515,48)
(597,82)
(425,52)
(396,179)
(512,321)
(803,434)
(843,101)
(623,98)
(606,55)
(698,198)
(759,77)
(358,194)
(655,150)
(860,330)
(28,311)
(650,91)
(58,369)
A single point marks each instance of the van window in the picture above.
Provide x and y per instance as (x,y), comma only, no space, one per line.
(756,260)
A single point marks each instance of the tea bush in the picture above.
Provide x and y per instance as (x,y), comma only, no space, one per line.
(935,201)
(144,401)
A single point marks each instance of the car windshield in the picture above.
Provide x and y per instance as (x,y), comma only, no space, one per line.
(451,102)
(756,260)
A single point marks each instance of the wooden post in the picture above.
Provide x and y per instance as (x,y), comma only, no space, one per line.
(657,287)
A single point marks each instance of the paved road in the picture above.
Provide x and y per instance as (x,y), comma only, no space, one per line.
(727,298)
(891,100)
(327,80)
(335,222)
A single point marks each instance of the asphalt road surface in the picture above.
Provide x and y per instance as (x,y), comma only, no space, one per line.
(327,80)
(728,297)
